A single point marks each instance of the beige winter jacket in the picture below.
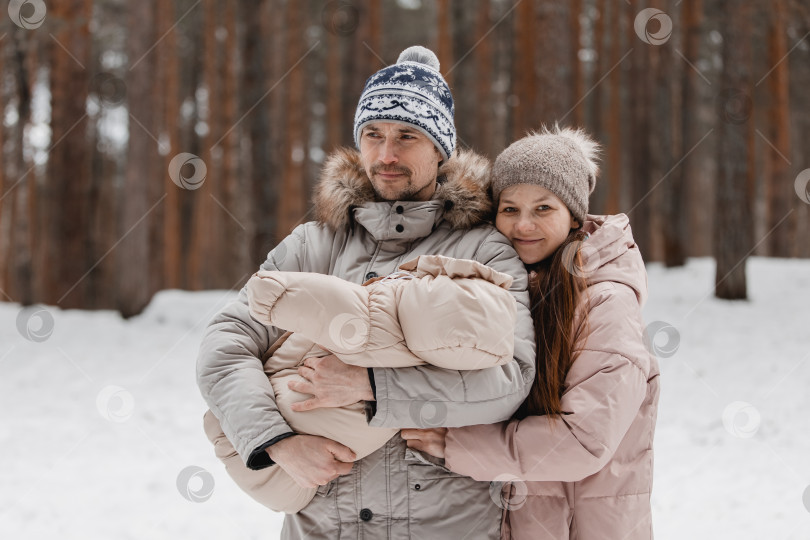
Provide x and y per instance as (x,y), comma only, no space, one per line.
(586,475)
(451,313)
(393,492)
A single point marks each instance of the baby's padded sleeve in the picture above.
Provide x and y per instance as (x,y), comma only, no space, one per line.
(458,323)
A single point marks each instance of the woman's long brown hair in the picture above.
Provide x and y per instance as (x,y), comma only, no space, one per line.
(555,288)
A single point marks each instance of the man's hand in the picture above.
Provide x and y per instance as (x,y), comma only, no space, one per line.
(429,441)
(331,384)
(312,461)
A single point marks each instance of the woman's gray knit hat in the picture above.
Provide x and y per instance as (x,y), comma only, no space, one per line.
(562,160)
(413,92)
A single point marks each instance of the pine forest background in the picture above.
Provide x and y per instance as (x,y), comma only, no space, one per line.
(150,144)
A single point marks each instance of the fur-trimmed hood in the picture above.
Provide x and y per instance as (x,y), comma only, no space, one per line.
(463,186)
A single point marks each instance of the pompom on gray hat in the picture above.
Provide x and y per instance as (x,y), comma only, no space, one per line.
(413,92)
(562,160)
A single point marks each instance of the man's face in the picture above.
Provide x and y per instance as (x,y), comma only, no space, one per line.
(400,161)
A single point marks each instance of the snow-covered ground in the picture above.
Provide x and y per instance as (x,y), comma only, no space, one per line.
(101,436)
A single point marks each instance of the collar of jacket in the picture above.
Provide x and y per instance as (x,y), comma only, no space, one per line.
(344,196)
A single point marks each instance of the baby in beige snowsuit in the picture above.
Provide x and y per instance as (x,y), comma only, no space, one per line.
(451,313)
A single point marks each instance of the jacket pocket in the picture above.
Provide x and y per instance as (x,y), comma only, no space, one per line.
(444,504)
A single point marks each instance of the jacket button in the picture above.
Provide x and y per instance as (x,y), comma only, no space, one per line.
(417,487)
(400,209)
(400,228)
(366,514)
(371,275)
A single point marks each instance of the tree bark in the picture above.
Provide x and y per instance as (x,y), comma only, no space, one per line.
(779,186)
(69,157)
(733,233)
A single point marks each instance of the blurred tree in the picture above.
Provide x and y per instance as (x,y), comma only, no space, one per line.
(779,190)
(524,116)
(669,150)
(692,28)
(733,231)
(68,173)
(640,95)
(168,93)
(134,274)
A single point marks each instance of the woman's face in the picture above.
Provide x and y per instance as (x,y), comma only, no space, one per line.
(534,220)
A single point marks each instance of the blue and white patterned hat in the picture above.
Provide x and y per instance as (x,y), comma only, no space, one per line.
(413,92)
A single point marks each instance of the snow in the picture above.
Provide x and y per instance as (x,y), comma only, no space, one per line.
(102,420)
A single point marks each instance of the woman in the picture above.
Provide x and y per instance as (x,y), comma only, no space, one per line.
(577,457)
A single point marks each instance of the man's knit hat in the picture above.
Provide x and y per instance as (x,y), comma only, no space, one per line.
(413,92)
(561,160)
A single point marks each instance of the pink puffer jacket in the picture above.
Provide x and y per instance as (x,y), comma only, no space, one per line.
(588,474)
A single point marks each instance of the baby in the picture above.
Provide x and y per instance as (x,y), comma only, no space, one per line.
(451,313)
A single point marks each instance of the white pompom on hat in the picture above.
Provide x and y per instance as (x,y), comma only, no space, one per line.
(413,92)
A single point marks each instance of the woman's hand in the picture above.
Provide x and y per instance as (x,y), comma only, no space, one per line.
(429,441)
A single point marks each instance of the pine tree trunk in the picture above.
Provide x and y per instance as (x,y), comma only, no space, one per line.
(551,91)
(523,113)
(779,186)
(614,147)
(669,74)
(641,162)
(170,65)
(293,194)
(577,79)
(69,158)
(484,80)
(21,245)
(133,253)
(690,169)
(733,206)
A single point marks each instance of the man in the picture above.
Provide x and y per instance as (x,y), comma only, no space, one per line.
(407,193)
